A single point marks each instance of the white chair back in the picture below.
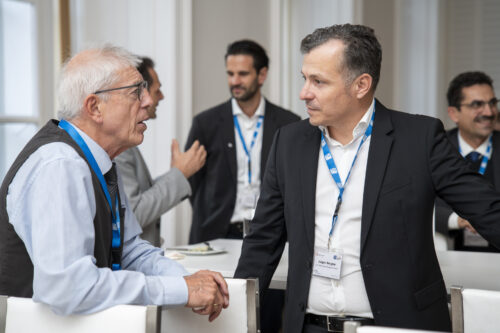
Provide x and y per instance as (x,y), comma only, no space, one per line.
(475,310)
(22,315)
(241,316)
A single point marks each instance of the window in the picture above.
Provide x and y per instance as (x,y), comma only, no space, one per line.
(21,107)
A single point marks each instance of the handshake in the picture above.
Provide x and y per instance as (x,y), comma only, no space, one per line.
(208,293)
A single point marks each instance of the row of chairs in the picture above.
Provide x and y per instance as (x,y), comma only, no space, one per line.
(472,310)
(22,315)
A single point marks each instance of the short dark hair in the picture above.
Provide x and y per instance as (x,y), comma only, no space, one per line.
(464,80)
(249,47)
(143,68)
(362,54)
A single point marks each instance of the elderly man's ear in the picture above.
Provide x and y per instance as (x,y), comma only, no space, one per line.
(91,108)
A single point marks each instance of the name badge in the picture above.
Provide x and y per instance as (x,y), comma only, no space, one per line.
(249,197)
(327,263)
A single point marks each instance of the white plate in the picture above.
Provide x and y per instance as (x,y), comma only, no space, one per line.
(202,253)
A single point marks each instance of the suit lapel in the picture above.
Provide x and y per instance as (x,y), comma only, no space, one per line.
(495,159)
(228,142)
(307,152)
(270,128)
(378,156)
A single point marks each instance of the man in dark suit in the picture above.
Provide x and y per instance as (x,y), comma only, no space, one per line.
(352,190)
(472,105)
(224,192)
(237,135)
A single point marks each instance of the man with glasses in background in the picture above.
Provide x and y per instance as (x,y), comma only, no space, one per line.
(150,198)
(472,105)
(68,237)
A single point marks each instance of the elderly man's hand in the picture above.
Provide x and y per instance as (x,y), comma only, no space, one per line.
(208,293)
(190,161)
(462,223)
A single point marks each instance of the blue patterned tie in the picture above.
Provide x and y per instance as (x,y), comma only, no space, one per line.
(475,159)
(473,156)
(112,182)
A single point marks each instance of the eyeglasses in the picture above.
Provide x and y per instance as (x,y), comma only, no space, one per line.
(477,105)
(141,86)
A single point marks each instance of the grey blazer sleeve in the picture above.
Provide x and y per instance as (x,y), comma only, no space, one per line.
(149,199)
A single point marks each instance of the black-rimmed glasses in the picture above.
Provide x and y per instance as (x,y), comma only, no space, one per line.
(478,105)
(141,86)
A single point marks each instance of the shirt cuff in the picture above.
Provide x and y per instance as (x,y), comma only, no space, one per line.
(175,291)
(453,221)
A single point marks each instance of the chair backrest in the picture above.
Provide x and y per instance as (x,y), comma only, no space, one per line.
(241,316)
(353,327)
(22,315)
(475,310)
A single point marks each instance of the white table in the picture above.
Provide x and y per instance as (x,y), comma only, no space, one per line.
(226,263)
(466,269)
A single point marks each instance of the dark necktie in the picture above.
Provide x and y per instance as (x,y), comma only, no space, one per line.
(112,183)
(475,159)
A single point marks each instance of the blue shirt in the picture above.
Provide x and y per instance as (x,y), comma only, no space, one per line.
(51,205)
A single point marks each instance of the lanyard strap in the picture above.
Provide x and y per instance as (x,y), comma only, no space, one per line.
(486,157)
(73,133)
(334,171)
(254,136)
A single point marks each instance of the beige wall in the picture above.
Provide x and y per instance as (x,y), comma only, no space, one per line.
(216,23)
(380,16)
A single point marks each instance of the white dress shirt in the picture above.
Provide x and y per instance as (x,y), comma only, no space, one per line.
(465,150)
(346,296)
(247,126)
(51,205)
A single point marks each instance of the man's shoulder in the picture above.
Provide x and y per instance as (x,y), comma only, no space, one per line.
(281,113)
(400,118)
(214,111)
(128,155)
(293,129)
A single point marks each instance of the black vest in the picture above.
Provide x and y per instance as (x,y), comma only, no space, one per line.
(16,268)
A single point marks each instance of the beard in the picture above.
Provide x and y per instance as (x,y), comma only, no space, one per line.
(247,92)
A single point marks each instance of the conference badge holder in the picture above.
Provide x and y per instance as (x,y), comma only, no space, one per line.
(327,263)
(249,197)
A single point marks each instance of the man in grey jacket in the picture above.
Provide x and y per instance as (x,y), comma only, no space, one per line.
(150,198)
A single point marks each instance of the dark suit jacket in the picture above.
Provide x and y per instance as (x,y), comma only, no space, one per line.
(214,186)
(492,173)
(410,161)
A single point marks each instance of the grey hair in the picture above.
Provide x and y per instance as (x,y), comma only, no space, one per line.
(362,53)
(87,72)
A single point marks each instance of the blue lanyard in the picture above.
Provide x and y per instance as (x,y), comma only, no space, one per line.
(486,157)
(247,151)
(334,172)
(90,158)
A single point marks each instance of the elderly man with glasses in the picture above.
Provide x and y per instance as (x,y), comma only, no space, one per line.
(68,237)
(472,105)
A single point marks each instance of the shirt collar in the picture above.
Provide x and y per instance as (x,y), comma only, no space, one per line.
(466,148)
(359,129)
(100,155)
(237,111)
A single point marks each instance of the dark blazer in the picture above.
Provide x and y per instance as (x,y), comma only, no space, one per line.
(214,186)
(492,173)
(410,161)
